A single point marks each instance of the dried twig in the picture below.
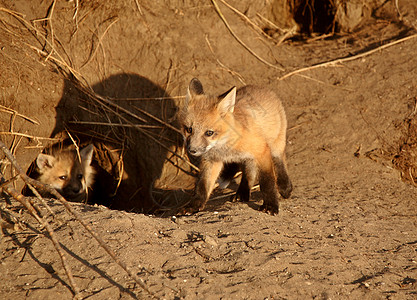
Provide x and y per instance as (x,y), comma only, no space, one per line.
(249,21)
(40,198)
(48,19)
(12,111)
(411,176)
(326,84)
(397,7)
(138,7)
(99,38)
(147,98)
(68,207)
(158,120)
(25,202)
(254,188)
(113,124)
(142,130)
(111,103)
(240,77)
(59,59)
(216,7)
(74,16)
(346,59)
(106,103)
(270,23)
(28,136)
(5,182)
(166,148)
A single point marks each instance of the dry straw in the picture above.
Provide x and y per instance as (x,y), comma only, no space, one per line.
(52,55)
(109,105)
(347,59)
(219,12)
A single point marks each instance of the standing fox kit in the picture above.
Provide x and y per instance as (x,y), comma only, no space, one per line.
(67,172)
(245,126)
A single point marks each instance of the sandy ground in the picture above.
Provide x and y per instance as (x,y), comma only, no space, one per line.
(349,231)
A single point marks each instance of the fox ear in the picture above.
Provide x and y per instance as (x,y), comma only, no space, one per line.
(194,88)
(87,154)
(227,104)
(45,161)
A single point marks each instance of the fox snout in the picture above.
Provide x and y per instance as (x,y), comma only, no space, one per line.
(73,190)
(64,171)
(196,151)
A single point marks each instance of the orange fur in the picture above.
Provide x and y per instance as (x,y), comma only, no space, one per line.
(71,175)
(246,126)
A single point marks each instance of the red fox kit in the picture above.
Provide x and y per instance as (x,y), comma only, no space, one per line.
(245,126)
(71,175)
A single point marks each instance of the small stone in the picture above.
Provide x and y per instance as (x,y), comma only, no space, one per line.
(211,241)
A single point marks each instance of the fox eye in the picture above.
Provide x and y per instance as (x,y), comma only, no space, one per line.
(188,129)
(80,176)
(209,133)
(64,177)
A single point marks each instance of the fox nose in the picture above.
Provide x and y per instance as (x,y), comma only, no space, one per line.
(73,189)
(192,151)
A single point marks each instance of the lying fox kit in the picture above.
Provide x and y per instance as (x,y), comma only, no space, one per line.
(71,175)
(245,126)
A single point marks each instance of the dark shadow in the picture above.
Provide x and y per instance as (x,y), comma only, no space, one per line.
(314,16)
(26,244)
(131,147)
(100,272)
(402,34)
(30,239)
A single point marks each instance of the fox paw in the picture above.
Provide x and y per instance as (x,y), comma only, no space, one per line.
(190,209)
(187,211)
(270,209)
(242,195)
(286,190)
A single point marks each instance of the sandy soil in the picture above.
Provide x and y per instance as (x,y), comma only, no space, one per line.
(349,231)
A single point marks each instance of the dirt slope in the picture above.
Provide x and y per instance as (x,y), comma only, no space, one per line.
(349,231)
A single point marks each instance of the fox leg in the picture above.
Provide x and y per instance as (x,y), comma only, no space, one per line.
(249,172)
(210,171)
(267,182)
(283,180)
(279,159)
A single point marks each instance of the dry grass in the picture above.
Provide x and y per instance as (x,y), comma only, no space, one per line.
(47,49)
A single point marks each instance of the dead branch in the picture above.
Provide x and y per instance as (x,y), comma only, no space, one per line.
(106,103)
(34,212)
(111,103)
(69,208)
(113,124)
(43,202)
(240,77)
(158,120)
(216,7)
(99,40)
(245,18)
(346,59)
(12,111)
(98,98)
(28,136)
(270,23)
(148,98)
